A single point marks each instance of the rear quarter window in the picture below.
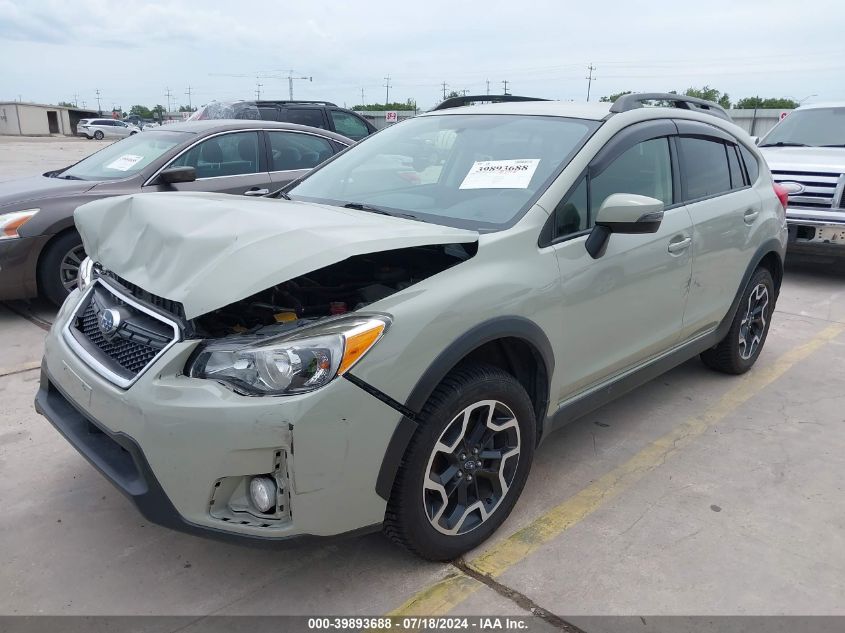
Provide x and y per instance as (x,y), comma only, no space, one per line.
(751,165)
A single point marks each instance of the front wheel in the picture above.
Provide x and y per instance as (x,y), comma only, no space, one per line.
(466,464)
(739,350)
(59,267)
(98,135)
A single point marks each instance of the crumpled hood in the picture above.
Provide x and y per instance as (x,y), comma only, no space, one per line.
(209,250)
(29,190)
(818,159)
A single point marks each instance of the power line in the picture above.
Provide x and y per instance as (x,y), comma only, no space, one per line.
(590,79)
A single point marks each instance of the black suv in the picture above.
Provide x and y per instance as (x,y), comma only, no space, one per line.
(322,114)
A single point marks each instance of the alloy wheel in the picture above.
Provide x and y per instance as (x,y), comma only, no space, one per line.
(69,268)
(471,467)
(753,324)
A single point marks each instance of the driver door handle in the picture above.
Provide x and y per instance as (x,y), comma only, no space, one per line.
(680,245)
(256,192)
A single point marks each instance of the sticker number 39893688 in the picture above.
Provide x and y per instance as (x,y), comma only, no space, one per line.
(501,174)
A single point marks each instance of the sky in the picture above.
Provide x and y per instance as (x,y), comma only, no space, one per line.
(134,52)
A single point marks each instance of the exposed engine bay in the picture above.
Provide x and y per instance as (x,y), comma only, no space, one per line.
(343,287)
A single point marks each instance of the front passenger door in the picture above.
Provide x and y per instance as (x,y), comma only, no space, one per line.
(226,163)
(627,306)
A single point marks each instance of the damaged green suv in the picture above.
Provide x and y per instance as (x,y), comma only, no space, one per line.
(386,343)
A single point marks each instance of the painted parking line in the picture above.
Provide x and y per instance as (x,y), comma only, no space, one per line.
(444,595)
(18,369)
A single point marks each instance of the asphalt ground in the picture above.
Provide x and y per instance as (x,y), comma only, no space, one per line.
(698,493)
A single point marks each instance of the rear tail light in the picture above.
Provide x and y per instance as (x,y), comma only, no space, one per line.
(782,194)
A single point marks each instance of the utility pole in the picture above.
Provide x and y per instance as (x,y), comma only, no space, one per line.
(465,92)
(99,109)
(257,90)
(362,97)
(190,107)
(444,90)
(590,79)
(76,99)
(505,83)
(168,94)
(488,86)
(386,90)
(291,78)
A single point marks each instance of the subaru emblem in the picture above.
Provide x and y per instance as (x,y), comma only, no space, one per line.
(109,321)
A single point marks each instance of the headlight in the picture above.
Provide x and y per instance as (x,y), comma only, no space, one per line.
(295,362)
(11,222)
(86,273)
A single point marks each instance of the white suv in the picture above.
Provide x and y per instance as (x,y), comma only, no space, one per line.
(806,154)
(101,128)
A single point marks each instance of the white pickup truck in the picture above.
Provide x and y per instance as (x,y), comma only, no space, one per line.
(806,154)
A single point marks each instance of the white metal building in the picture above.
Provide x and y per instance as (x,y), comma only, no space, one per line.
(36,119)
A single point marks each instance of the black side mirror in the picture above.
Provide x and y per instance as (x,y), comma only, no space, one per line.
(623,213)
(172,175)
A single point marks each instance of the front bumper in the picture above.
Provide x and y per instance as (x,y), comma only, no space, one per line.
(168,441)
(816,236)
(18,263)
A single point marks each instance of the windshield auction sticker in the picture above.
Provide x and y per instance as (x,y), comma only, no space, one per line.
(125,162)
(501,174)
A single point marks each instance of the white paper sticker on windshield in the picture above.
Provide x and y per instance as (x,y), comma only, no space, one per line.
(124,162)
(501,174)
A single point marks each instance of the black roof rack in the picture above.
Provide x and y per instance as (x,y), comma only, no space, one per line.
(295,101)
(635,100)
(457,102)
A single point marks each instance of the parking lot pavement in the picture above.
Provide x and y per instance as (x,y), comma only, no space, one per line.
(23,156)
(698,493)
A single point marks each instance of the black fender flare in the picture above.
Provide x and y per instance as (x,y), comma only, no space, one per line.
(485,332)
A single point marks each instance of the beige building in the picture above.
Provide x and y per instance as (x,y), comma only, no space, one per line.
(35,119)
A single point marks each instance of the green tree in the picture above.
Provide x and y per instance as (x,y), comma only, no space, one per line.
(66,104)
(408,105)
(142,111)
(612,98)
(158,112)
(185,108)
(710,94)
(778,103)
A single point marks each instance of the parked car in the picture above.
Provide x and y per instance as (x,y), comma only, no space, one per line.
(388,346)
(806,153)
(322,114)
(105,128)
(40,250)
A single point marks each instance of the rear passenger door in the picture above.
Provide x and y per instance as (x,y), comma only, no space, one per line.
(294,154)
(232,162)
(723,207)
(627,306)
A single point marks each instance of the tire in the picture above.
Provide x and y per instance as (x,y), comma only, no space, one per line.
(56,266)
(98,135)
(741,347)
(132,133)
(420,514)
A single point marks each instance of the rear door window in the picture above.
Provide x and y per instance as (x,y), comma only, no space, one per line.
(349,125)
(305,116)
(737,177)
(704,166)
(293,150)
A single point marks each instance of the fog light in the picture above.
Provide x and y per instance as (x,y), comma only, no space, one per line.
(262,493)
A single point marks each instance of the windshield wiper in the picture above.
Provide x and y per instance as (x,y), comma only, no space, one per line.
(360,206)
(69,177)
(834,145)
(784,144)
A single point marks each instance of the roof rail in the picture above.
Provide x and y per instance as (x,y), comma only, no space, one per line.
(635,100)
(295,101)
(457,102)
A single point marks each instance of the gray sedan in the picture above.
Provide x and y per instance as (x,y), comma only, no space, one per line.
(40,249)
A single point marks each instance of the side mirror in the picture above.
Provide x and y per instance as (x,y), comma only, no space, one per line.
(623,213)
(172,175)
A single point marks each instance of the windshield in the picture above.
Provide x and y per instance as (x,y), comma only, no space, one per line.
(469,171)
(816,127)
(126,157)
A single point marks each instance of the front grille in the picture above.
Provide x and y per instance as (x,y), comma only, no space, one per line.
(132,356)
(819,188)
(118,336)
(173,307)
